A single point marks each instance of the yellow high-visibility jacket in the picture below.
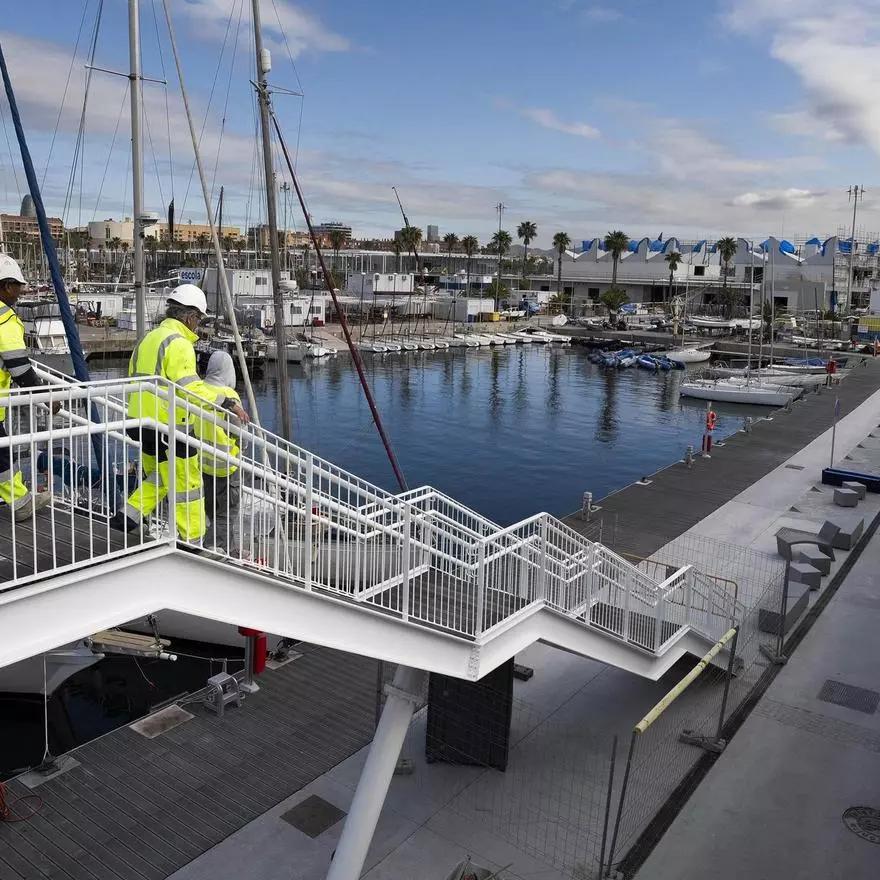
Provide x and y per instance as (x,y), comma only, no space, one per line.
(168,351)
(15,365)
(211,432)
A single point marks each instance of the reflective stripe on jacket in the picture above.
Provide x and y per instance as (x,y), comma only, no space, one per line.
(168,351)
(12,347)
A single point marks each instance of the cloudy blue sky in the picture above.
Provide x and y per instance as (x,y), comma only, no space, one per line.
(699,117)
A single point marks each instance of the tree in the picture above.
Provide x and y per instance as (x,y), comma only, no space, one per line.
(151,245)
(239,245)
(526,232)
(451,241)
(202,240)
(614,299)
(410,239)
(115,244)
(726,248)
(470,246)
(616,243)
(337,239)
(673,260)
(561,242)
(501,242)
(397,249)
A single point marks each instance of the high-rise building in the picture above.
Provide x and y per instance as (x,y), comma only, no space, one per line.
(433,234)
(322,230)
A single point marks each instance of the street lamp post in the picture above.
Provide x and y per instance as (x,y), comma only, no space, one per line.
(500,209)
(855,193)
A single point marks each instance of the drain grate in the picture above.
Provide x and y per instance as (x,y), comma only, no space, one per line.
(849,696)
(313,816)
(863,822)
(795,467)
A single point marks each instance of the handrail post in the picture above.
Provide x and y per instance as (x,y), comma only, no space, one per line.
(481,587)
(308,537)
(627,588)
(541,592)
(658,622)
(171,440)
(407,559)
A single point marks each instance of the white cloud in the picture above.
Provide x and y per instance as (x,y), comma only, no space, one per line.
(834,50)
(601,15)
(803,123)
(280,18)
(777,200)
(546,118)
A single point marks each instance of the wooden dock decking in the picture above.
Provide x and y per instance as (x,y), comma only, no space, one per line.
(641,519)
(140,809)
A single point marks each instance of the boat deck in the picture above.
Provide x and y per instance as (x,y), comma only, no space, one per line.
(641,519)
(139,809)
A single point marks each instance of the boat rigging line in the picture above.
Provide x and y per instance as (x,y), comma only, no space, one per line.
(222,279)
(343,321)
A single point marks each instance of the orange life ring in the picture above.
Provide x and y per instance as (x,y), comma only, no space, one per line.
(711,420)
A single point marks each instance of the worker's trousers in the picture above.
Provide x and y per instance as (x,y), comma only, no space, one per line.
(184,488)
(12,488)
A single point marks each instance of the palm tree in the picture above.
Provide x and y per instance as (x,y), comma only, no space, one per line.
(202,240)
(613,299)
(561,242)
(450,240)
(673,260)
(616,242)
(152,245)
(337,240)
(470,246)
(726,248)
(115,244)
(410,239)
(501,242)
(396,250)
(239,245)
(526,232)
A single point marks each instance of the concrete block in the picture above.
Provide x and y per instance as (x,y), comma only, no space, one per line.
(812,556)
(805,573)
(860,488)
(846,498)
(798,600)
(851,528)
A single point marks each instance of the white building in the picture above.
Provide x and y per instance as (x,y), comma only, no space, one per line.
(797,278)
(373,284)
(255,284)
(104,231)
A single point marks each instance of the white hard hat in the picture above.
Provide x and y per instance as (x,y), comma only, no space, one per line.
(189,295)
(9,269)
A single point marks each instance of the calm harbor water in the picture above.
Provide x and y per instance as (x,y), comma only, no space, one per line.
(510,431)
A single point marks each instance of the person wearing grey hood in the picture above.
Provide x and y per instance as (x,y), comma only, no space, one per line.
(220,475)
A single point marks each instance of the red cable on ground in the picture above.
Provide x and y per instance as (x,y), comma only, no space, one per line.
(343,322)
(7,807)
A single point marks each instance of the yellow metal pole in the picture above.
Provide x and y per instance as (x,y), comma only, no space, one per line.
(682,686)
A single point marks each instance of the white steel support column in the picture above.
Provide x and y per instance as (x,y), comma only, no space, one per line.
(369,798)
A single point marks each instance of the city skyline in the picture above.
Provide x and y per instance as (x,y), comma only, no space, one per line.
(753,125)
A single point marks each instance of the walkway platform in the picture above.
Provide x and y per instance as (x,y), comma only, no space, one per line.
(133,808)
(642,518)
(775,804)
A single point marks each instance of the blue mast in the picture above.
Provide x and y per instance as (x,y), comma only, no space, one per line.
(80,369)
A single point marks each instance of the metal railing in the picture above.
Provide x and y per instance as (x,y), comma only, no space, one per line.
(288,514)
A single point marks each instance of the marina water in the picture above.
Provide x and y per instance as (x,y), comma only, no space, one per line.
(510,431)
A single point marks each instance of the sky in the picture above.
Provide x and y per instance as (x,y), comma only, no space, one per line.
(695,118)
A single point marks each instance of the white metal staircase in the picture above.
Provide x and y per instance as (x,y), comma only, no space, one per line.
(415,578)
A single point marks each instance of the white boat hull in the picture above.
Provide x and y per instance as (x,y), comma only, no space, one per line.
(733,391)
(26,676)
(687,355)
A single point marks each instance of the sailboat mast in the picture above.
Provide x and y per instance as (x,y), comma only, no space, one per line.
(137,166)
(264,65)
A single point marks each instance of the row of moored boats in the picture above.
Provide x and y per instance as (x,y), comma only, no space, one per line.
(535,336)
